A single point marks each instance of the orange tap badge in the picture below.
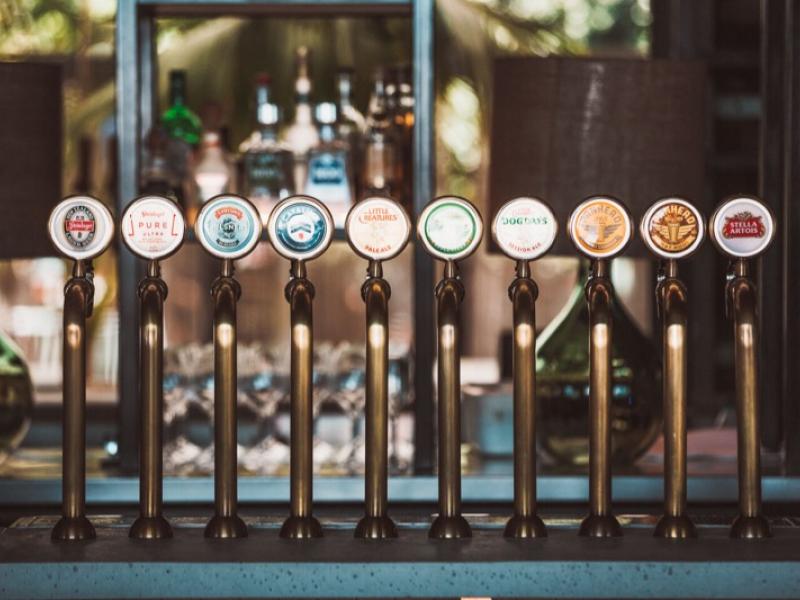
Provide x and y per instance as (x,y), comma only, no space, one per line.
(600,227)
(672,228)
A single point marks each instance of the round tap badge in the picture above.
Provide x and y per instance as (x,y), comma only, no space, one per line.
(600,227)
(672,228)
(300,228)
(742,227)
(81,227)
(450,227)
(153,227)
(377,228)
(525,228)
(228,226)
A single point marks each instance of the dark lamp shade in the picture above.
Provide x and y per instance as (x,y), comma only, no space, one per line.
(30,147)
(567,128)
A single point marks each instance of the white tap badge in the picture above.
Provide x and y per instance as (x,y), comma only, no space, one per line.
(450,227)
(377,228)
(672,228)
(600,227)
(742,227)
(153,227)
(81,227)
(525,228)
(228,226)
(300,228)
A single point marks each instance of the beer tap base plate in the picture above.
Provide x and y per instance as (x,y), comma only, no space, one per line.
(150,528)
(73,529)
(376,528)
(600,526)
(301,528)
(750,528)
(450,527)
(675,527)
(525,527)
(225,527)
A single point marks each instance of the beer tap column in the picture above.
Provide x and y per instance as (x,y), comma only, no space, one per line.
(673,229)
(525,230)
(153,228)
(450,228)
(300,229)
(742,227)
(600,227)
(81,228)
(377,229)
(228,227)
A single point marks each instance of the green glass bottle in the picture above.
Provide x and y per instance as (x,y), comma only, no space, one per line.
(16,397)
(562,384)
(178,120)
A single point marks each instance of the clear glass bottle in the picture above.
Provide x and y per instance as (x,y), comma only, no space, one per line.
(351,124)
(330,176)
(403,120)
(380,146)
(562,384)
(301,135)
(156,177)
(267,165)
(213,173)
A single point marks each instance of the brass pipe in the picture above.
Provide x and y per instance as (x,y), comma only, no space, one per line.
(151,524)
(741,303)
(673,305)
(525,523)
(78,301)
(300,294)
(599,293)
(225,523)
(376,523)
(449,294)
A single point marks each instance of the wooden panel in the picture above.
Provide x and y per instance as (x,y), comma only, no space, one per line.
(30,146)
(566,128)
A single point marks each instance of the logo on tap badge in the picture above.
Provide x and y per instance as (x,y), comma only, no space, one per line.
(228,226)
(600,227)
(81,227)
(153,227)
(450,227)
(742,227)
(377,228)
(300,227)
(525,228)
(672,228)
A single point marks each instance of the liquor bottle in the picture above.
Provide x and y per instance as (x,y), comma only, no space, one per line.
(351,124)
(403,119)
(213,173)
(156,178)
(183,127)
(301,135)
(562,384)
(329,167)
(380,145)
(267,174)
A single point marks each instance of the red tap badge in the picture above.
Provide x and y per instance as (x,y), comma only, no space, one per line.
(743,225)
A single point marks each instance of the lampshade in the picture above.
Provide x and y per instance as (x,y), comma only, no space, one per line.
(30,146)
(567,128)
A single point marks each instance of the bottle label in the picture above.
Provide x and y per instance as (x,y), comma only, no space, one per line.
(328,180)
(450,228)
(525,228)
(378,228)
(153,227)
(263,173)
(600,227)
(672,228)
(742,227)
(300,228)
(228,226)
(81,227)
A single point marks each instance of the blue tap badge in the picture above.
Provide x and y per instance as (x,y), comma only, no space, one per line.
(300,228)
(228,226)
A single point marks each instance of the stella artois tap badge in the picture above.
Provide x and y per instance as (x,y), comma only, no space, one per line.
(300,228)
(450,228)
(600,227)
(228,226)
(153,227)
(742,227)
(525,228)
(81,227)
(672,228)
(377,228)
